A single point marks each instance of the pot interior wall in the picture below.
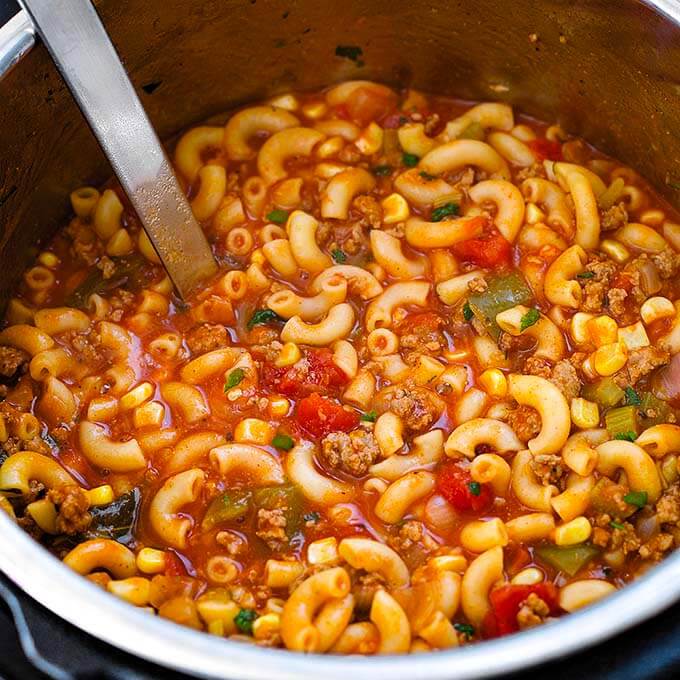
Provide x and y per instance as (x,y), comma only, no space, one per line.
(608,72)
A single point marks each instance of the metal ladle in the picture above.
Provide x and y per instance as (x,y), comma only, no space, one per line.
(88,62)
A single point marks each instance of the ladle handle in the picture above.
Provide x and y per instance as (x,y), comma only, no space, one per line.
(88,62)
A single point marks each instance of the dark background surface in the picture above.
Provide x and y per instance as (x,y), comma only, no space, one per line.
(36,644)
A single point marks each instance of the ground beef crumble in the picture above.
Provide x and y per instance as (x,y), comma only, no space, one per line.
(595,288)
(565,377)
(616,302)
(641,362)
(614,217)
(73,505)
(525,421)
(206,337)
(532,612)
(12,362)
(548,468)
(353,453)
(418,407)
(271,527)
(370,209)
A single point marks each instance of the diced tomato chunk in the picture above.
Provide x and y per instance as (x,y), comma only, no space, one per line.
(173,565)
(367,104)
(546,150)
(319,415)
(428,321)
(491,251)
(315,372)
(456,485)
(505,605)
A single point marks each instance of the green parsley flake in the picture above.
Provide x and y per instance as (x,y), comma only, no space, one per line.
(632,397)
(465,628)
(283,442)
(585,275)
(244,620)
(446,210)
(234,378)
(475,488)
(262,316)
(382,170)
(278,216)
(529,319)
(338,256)
(637,498)
(410,160)
(629,436)
(616,525)
(467,312)
(369,417)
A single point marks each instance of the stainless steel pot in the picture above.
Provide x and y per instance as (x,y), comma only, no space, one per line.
(607,71)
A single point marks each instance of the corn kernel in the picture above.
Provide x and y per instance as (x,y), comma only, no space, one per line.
(528,577)
(603,330)
(151,561)
(48,259)
(330,147)
(278,406)
(617,251)
(44,514)
(571,533)
(585,414)
(534,214)
(289,355)
(371,139)
(216,627)
(579,327)
(634,336)
(253,431)
(102,409)
(215,607)
(100,495)
(266,625)
(323,551)
(137,396)
(288,102)
(149,414)
(135,590)
(314,110)
(493,382)
(609,359)
(656,308)
(395,209)
(257,257)
(456,563)
(426,370)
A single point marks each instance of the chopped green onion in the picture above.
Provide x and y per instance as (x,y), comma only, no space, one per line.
(234,378)
(529,319)
(369,417)
(637,498)
(382,170)
(467,312)
(446,210)
(475,488)
(244,620)
(410,160)
(585,275)
(616,525)
(338,256)
(263,316)
(629,436)
(283,442)
(313,516)
(465,628)
(606,393)
(278,216)
(632,397)
(427,176)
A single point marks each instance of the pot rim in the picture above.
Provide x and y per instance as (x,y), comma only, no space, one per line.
(94,611)
(88,607)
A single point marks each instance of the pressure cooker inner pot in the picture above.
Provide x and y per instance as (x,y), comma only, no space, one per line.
(608,74)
